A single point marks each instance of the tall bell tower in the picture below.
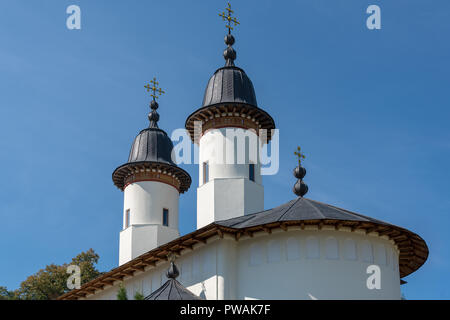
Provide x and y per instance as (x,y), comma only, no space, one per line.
(151,183)
(227,129)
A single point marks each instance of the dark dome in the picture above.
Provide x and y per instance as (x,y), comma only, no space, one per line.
(229,84)
(151,150)
(152,144)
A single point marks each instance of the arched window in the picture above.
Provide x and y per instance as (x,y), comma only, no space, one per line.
(350,249)
(274,251)
(256,254)
(367,251)
(312,248)
(292,249)
(331,248)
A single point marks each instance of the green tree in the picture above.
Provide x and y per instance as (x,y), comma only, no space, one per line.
(122,293)
(47,284)
(5,294)
(87,261)
(138,296)
(51,282)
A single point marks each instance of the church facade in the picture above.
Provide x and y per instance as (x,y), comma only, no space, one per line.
(303,249)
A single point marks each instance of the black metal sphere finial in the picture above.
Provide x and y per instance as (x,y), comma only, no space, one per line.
(154,105)
(300,188)
(153,116)
(172,272)
(229,54)
(229,40)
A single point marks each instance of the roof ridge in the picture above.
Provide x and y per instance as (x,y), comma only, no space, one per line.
(350,212)
(285,211)
(176,288)
(314,207)
(158,292)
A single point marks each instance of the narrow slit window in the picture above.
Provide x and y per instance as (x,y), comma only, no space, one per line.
(205,172)
(251,172)
(166,217)
(127,218)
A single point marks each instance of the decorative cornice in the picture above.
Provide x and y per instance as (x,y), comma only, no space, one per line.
(148,174)
(237,115)
(152,171)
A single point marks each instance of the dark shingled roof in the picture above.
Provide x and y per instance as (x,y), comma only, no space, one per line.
(295,210)
(172,290)
(152,148)
(229,85)
(152,144)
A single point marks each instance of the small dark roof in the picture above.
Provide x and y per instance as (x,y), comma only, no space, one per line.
(229,85)
(295,210)
(172,289)
(152,144)
(152,148)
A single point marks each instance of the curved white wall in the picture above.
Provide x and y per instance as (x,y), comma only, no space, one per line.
(229,192)
(322,264)
(146,201)
(220,146)
(297,264)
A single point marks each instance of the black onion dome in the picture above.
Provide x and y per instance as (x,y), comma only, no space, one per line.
(230,95)
(152,144)
(229,84)
(151,149)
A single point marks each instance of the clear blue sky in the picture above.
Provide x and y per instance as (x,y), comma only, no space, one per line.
(369,108)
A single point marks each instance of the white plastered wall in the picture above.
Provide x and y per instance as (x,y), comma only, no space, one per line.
(145,201)
(313,264)
(297,264)
(229,192)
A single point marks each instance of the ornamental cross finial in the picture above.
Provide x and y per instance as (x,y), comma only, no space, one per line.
(228,18)
(300,155)
(154,87)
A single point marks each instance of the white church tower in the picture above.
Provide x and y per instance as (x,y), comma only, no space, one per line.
(227,129)
(152,184)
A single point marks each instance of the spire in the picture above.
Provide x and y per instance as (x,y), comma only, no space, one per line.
(153,116)
(229,54)
(300,188)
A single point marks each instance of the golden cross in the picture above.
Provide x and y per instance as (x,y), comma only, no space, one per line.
(154,87)
(229,18)
(300,155)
